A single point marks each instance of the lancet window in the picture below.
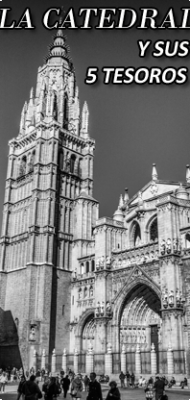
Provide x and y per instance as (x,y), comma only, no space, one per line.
(154,230)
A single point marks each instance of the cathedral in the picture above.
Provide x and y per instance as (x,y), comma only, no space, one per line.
(110,291)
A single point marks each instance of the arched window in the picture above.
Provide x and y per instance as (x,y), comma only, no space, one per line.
(44,103)
(65,112)
(80,294)
(31,162)
(87,267)
(80,168)
(85,292)
(23,166)
(93,265)
(187,240)
(91,291)
(55,107)
(82,269)
(60,159)
(137,234)
(154,230)
(72,163)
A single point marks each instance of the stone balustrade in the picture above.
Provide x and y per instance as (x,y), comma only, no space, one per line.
(136,256)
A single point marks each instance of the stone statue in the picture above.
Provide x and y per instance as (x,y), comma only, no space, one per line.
(163,247)
(168,246)
(108,309)
(108,260)
(140,199)
(175,245)
(102,308)
(32,335)
(98,309)
(102,260)
(97,264)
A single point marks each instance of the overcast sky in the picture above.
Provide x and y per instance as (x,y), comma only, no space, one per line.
(133,125)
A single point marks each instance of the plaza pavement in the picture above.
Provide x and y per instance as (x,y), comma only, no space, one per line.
(126,394)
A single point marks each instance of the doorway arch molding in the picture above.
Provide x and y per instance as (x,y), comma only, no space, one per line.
(128,287)
(82,321)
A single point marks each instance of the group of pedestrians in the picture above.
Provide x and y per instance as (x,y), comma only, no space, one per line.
(127,380)
(53,386)
(74,384)
(152,389)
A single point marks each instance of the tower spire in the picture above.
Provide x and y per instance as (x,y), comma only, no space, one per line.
(59,49)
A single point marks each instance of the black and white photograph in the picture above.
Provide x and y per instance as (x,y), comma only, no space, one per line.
(95,200)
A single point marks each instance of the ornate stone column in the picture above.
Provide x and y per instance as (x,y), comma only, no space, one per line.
(123,359)
(170,360)
(138,360)
(53,362)
(89,360)
(64,360)
(76,361)
(153,360)
(108,360)
(43,360)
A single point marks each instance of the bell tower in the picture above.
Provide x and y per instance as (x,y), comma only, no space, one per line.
(50,163)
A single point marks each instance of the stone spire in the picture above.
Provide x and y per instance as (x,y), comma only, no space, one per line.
(59,50)
(126,196)
(30,112)
(154,172)
(187,173)
(23,119)
(121,203)
(84,119)
(118,214)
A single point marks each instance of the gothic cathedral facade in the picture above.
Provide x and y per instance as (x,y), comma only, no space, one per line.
(73,280)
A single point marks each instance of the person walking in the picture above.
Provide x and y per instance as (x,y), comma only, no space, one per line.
(122,379)
(113,393)
(159,386)
(128,377)
(149,390)
(3,381)
(132,380)
(76,387)
(20,388)
(94,391)
(86,382)
(65,385)
(53,389)
(31,389)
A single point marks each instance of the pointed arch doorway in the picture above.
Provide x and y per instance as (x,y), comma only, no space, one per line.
(88,333)
(140,322)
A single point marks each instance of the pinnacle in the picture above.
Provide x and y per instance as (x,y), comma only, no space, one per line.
(154,172)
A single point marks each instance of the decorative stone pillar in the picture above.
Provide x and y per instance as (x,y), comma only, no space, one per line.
(108,360)
(138,360)
(148,337)
(153,360)
(123,360)
(43,360)
(53,362)
(89,360)
(64,360)
(34,360)
(76,361)
(170,360)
